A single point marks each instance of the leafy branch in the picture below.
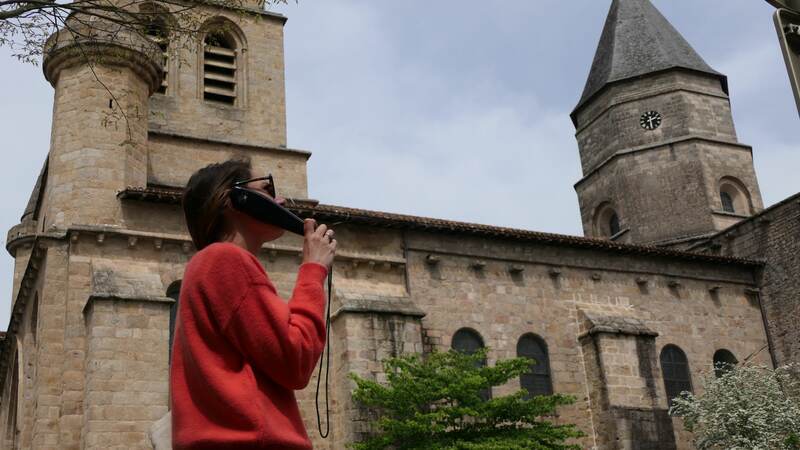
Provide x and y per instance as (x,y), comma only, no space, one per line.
(436,403)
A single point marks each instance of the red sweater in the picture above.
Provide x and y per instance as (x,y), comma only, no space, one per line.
(240,352)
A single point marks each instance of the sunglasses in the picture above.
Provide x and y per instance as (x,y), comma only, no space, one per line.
(270,187)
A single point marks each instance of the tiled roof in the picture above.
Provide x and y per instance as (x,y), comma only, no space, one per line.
(638,40)
(342,214)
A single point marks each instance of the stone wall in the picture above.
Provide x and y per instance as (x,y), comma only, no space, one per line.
(684,303)
(395,292)
(126,373)
(623,369)
(668,191)
(259,116)
(772,236)
(363,340)
(690,104)
(96,150)
(173,159)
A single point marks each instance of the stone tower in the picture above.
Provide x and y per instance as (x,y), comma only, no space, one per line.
(99,131)
(660,157)
(97,273)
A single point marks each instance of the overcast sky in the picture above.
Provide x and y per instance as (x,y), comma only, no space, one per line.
(453,109)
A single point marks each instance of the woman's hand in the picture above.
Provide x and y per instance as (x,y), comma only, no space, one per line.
(319,246)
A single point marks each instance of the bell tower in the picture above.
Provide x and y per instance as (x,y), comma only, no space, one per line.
(660,157)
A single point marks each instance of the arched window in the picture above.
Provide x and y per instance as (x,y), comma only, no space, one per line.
(221,51)
(727,202)
(675,370)
(606,221)
(733,196)
(173,292)
(537,381)
(468,341)
(155,28)
(613,224)
(724,361)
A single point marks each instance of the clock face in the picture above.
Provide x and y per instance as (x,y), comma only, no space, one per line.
(650,120)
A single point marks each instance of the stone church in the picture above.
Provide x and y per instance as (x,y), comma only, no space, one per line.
(680,265)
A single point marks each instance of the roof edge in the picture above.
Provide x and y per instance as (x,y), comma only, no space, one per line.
(585,101)
(392,220)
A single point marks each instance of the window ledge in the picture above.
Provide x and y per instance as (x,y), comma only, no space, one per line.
(729,214)
(221,105)
(619,234)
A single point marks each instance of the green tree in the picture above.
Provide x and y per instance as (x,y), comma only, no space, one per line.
(434,403)
(747,407)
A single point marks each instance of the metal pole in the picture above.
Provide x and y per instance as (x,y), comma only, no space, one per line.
(787,25)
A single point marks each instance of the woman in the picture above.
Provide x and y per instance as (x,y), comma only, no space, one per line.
(240,351)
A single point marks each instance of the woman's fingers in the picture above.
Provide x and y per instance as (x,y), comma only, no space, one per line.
(321,229)
(320,245)
(309,225)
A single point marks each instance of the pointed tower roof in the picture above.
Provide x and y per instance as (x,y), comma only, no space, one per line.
(638,40)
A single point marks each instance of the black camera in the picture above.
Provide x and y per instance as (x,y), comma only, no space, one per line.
(263,208)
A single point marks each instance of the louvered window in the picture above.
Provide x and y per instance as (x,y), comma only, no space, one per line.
(537,381)
(163,45)
(219,69)
(156,31)
(675,369)
(468,341)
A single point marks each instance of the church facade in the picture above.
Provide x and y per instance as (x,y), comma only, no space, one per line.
(680,265)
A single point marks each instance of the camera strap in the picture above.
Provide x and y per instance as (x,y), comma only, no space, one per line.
(326,354)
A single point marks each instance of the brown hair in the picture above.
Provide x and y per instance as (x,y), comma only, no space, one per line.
(205,200)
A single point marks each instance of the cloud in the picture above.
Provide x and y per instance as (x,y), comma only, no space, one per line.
(421,139)
(454,109)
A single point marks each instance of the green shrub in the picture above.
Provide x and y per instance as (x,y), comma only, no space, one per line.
(435,403)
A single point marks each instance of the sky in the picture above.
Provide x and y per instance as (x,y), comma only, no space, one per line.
(455,109)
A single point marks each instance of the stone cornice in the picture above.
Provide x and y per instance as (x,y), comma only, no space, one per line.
(340,214)
(281,150)
(585,102)
(665,143)
(99,42)
(355,303)
(124,298)
(557,267)
(258,11)
(104,235)
(628,326)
